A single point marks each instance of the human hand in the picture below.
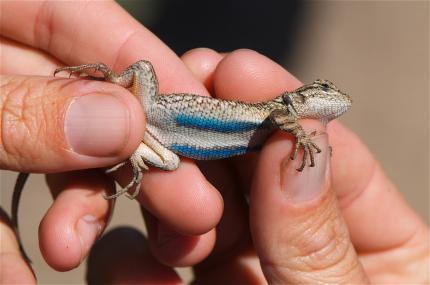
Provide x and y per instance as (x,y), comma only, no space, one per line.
(58,125)
(342,221)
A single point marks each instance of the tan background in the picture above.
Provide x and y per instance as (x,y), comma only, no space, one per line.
(378,51)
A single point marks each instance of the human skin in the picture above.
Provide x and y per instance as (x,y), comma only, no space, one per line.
(42,37)
(348,196)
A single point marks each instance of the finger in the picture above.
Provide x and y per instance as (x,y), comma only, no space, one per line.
(233,227)
(202,62)
(17,58)
(240,264)
(56,125)
(76,219)
(233,238)
(123,41)
(183,199)
(194,198)
(377,215)
(358,179)
(115,38)
(13,268)
(248,76)
(122,257)
(175,249)
(297,228)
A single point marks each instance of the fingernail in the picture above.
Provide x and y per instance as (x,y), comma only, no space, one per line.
(306,185)
(88,229)
(97,125)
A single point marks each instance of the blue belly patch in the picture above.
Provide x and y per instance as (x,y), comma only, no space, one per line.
(201,153)
(215,124)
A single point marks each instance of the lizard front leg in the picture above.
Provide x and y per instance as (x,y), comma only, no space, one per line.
(287,122)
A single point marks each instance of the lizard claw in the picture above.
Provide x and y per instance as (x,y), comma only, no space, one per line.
(305,142)
(137,166)
(115,167)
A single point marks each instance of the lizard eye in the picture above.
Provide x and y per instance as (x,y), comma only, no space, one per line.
(325,86)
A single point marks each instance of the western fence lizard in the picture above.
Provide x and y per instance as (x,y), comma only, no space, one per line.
(206,128)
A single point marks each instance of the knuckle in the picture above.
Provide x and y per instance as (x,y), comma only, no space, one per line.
(320,244)
(27,119)
(324,245)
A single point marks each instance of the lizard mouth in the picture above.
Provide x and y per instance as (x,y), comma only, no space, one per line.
(323,109)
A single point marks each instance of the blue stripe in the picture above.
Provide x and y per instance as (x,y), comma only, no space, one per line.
(215,124)
(201,153)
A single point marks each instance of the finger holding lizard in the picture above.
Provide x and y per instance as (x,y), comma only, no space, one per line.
(123,41)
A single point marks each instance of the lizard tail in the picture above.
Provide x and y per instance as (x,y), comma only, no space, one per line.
(17,191)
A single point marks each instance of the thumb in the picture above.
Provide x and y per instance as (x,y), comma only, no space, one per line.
(50,125)
(297,228)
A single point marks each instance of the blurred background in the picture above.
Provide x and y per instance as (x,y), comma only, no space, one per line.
(378,51)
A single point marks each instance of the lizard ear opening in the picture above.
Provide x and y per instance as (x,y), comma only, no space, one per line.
(286,98)
(288,101)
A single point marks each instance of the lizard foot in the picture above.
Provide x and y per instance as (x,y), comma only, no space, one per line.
(304,141)
(287,121)
(138,166)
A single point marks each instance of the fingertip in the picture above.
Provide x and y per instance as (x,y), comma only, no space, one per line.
(202,62)
(51,125)
(101,120)
(75,220)
(310,183)
(175,249)
(295,217)
(361,184)
(244,74)
(183,199)
(102,124)
(277,170)
(58,242)
(346,182)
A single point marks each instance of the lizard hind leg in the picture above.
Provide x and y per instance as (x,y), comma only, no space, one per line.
(149,152)
(138,166)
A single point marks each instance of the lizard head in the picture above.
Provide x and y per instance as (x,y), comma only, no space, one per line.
(320,100)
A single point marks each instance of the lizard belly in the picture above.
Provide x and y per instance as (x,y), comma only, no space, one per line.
(206,137)
(204,144)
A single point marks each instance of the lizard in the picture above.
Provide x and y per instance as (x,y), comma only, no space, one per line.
(206,128)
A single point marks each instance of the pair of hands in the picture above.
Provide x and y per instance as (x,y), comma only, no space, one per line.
(342,221)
